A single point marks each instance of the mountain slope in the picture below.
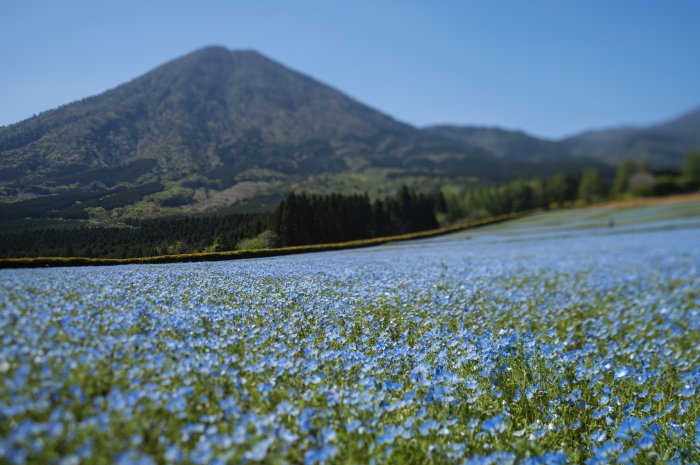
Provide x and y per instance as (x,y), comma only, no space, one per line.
(216,127)
(663,145)
(194,114)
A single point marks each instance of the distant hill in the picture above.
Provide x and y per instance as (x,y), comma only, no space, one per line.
(219,128)
(663,145)
(507,145)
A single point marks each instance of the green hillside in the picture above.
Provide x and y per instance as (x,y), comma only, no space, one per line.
(220,128)
(662,145)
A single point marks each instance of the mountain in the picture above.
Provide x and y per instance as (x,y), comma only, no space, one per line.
(209,109)
(508,145)
(663,145)
(219,127)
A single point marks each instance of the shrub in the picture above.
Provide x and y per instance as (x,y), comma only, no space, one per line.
(265,240)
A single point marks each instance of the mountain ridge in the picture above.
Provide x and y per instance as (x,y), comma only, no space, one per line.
(215,117)
(662,145)
(217,127)
(503,143)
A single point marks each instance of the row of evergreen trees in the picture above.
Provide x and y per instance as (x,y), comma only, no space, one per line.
(143,239)
(301,219)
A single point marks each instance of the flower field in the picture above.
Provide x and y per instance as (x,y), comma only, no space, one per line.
(578,349)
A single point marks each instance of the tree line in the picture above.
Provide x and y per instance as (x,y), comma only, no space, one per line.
(302,219)
(632,179)
(144,238)
(298,220)
(317,219)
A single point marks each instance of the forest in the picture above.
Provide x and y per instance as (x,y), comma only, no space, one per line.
(632,179)
(297,220)
(302,219)
(73,205)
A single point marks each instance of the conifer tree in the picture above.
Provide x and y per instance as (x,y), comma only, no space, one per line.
(591,187)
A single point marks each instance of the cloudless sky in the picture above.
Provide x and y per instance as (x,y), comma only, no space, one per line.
(548,67)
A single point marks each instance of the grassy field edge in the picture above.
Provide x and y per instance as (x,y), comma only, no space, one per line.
(41,262)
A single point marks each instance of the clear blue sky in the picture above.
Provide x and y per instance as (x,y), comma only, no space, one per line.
(548,67)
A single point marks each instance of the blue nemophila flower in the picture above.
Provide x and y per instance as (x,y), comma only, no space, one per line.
(654,429)
(628,455)
(608,450)
(548,458)
(327,435)
(674,430)
(628,428)
(286,435)
(287,408)
(598,436)
(471,384)
(390,434)
(353,426)
(683,407)
(538,434)
(629,408)
(202,453)
(320,455)
(359,351)
(259,450)
(646,441)
(428,427)
(393,386)
(455,451)
(473,424)
(440,394)
(622,372)
(531,391)
(495,425)
(496,458)
(601,413)
(518,395)
(686,391)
